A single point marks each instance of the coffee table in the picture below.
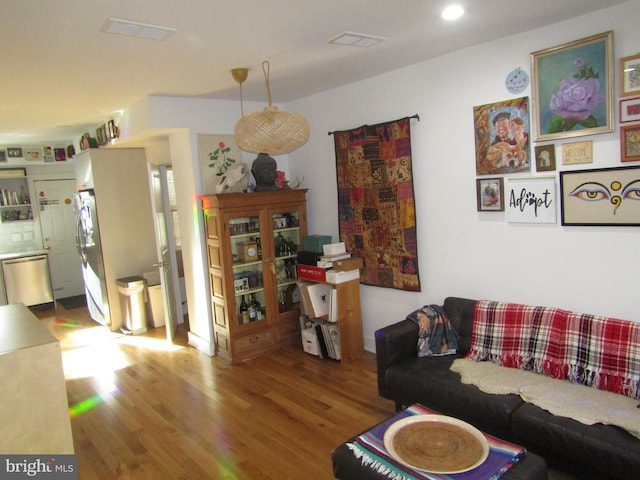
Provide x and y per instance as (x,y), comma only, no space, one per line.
(347,466)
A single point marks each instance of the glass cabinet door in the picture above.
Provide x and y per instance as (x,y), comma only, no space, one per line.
(248,276)
(286,243)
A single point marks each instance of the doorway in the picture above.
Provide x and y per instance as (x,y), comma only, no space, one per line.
(58,226)
(163,219)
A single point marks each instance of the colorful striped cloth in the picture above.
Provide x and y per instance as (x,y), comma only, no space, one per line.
(369,448)
(591,350)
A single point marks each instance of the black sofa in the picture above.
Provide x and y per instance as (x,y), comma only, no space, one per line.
(593,451)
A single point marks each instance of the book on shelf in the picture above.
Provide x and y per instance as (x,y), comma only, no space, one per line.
(324,352)
(333,306)
(327,261)
(315,298)
(320,296)
(325,337)
(340,276)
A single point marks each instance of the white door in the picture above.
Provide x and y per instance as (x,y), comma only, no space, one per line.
(167,263)
(58,225)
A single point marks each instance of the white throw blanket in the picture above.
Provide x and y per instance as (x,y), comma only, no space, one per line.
(560,397)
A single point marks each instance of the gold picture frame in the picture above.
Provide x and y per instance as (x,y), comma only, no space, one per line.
(630,75)
(630,143)
(558,72)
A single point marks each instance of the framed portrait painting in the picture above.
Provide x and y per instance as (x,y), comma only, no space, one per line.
(502,137)
(490,194)
(602,197)
(630,143)
(573,88)
(630,75)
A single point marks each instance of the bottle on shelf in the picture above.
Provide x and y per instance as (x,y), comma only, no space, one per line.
(255,313)
(255,305)
(244,310)
(280,242)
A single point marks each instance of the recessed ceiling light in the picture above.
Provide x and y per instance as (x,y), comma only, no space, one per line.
(137,29)
(356,39)
(452,12)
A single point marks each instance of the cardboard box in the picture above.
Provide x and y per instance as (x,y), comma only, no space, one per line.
(308,258)
(314,243)
(337,276)
(310,341)
(334,248)
(346,264)
(309,272)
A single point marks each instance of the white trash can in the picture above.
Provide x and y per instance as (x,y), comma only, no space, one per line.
(133,304)
(156,305)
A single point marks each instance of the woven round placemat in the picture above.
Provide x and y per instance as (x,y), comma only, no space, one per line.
(437,447)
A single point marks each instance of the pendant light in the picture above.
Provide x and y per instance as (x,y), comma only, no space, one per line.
(270,130)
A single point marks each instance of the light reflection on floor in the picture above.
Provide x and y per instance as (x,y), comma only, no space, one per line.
(92,351)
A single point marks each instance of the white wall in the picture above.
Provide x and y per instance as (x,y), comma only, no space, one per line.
(168,128)
(463,252)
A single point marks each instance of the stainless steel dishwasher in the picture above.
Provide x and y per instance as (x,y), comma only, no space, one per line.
(27,280)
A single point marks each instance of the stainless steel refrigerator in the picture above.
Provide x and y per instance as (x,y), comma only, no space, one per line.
(115,230)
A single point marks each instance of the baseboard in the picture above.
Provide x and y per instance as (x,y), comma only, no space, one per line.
(200,344)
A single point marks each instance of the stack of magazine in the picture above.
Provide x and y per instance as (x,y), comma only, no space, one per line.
(318,302)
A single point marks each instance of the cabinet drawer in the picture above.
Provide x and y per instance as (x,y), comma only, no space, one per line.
(258,341)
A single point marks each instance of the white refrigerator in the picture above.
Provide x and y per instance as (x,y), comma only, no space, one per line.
(115,230)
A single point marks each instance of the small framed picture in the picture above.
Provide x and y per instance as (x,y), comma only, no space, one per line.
(630,110)
(33,154)
(60,154)
(630,75)
(490,194)
(241,285)
(630,143)
(14,152)
(545,158)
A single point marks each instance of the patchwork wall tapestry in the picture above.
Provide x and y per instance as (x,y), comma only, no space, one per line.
(376,205)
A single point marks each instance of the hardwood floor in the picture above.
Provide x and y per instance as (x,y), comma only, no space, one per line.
(143,409)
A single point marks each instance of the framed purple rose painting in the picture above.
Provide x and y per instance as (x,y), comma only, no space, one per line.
(573,88)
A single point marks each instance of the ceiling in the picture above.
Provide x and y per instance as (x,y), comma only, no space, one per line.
(62,75)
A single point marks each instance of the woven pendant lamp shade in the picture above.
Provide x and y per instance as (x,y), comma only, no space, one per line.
(271,130)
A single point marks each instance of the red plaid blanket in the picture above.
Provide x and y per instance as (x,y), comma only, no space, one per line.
(592,350)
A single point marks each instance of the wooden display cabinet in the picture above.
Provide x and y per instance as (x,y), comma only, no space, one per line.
(275,224)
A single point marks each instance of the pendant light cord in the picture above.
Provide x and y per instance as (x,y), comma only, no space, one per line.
(265,69)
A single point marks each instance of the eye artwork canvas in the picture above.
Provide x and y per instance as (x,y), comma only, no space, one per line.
(606,196)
